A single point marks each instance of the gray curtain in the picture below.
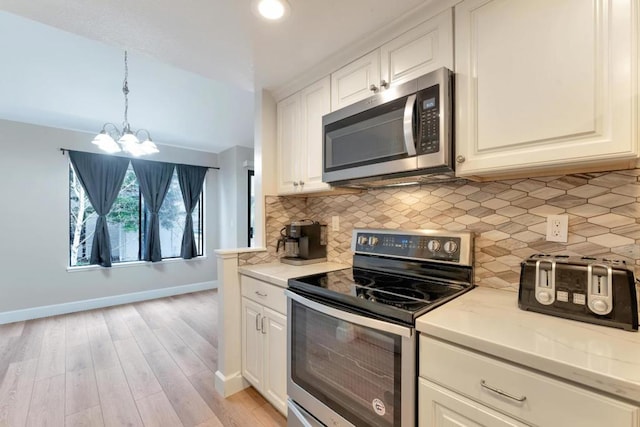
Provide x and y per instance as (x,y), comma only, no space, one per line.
(102,177)
(191,179)
(154,179)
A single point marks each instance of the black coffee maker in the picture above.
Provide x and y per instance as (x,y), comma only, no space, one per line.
(304,242)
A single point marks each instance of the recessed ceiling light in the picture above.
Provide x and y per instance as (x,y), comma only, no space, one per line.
(273,10)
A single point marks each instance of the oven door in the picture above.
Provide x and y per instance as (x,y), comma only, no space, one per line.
(346,369)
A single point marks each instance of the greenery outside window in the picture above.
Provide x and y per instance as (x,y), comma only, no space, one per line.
(127,222)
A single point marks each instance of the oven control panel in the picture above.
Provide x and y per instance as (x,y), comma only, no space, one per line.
(427,245)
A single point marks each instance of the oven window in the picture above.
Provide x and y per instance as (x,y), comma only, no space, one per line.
(353,370)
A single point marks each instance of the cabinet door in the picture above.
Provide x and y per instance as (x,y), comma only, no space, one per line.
(252,343)
(315,103)
(420,50)
(275,359)
(545,85)
(440,407)
(353,82)
(288,144)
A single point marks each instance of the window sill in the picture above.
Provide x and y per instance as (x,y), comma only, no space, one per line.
(77,269)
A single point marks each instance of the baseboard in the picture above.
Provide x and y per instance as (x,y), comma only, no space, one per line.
(228,385)
(89,304)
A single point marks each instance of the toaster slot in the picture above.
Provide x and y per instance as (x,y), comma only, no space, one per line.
(545,289)
(599,293)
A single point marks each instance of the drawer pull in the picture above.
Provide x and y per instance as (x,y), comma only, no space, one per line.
(502,393)
(261,294)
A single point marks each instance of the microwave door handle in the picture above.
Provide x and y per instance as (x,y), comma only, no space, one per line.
(407,124)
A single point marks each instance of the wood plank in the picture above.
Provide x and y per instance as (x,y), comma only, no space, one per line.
(30,342)
(186,401)
(156,411)
(200,346)
(91,417)
(148,311)
(47,402)
(213,422)
(235,411)
(140,377)
(53,351)
(103,352)
(118,406)
(144,336)
(9,330)
(118,329)
(15,393)
(79,357)
(186,359)
(76,329)
(81,391)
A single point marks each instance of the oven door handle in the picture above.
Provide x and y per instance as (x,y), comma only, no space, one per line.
(346,316)
(407,124)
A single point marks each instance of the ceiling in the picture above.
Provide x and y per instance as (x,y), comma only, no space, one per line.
(193,65)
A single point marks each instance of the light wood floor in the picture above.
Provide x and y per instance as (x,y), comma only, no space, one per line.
(143,364)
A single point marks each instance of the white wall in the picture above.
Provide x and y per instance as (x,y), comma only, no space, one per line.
(265,147)
(234,197)
(34,226)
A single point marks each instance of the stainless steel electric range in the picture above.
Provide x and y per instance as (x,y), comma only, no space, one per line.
(351,337)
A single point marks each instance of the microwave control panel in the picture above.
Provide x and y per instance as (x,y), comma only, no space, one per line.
(428,125)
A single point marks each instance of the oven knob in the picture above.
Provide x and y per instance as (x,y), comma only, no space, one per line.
(544,297)
(373,240)
(433,245)
(363,240)
(450,246)
(599,306)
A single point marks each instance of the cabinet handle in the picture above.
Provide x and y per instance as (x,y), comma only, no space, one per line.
(384,84)
(262,326)
(502,393)
(373,88)
(258,316)
(301,183)
(295,183)
(460,159)
(261,294)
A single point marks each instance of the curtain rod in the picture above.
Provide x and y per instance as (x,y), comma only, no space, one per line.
(64,150)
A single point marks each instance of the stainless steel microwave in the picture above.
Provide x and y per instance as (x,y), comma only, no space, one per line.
(400,135)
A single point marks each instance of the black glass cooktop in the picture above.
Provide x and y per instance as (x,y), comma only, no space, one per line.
(389,296)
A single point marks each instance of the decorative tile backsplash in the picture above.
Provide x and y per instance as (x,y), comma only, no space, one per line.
(508,218)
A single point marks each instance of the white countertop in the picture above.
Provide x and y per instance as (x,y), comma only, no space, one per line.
(490,321)
(278,273)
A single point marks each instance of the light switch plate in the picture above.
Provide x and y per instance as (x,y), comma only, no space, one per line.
(335,223)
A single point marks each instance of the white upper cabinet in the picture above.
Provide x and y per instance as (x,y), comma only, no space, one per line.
(418,51)
(300,139)
(545,86)
(356,81)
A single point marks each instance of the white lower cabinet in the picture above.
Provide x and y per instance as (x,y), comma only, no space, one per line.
(440,407)
(459,387)
(264,340)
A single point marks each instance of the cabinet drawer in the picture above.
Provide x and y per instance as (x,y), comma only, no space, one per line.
(531,397)
(269,295)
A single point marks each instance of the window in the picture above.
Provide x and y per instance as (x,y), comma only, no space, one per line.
(127,222)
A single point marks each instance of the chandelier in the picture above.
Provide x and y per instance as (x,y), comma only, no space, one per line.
(128,140)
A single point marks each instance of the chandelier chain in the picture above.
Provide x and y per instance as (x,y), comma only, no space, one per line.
(125,91)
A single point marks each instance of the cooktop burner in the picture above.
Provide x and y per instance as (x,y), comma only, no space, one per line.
(390,296)
(396,275)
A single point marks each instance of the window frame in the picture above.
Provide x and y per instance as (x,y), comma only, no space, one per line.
(141,229)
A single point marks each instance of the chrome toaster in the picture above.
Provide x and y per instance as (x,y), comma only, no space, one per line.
(594,290)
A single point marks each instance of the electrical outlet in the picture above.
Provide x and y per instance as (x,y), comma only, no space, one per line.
(335,223)
(557,228)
